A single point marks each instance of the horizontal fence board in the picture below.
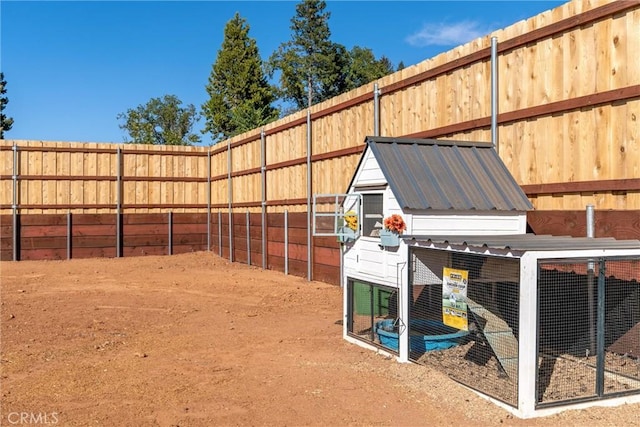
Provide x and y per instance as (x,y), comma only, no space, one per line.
(94,219)
(6,254)
(153,218)
(43,230)
(97,241)
(89,252)
(94,230)
(6,244)
(43,254)
(43,220)
(39,242)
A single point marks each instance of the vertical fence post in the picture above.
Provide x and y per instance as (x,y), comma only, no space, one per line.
(170,232)
(209,200)
(309,189)
(119,202)
(14,204)
(590,284)
(494,93)
(600,330)
(230,200)
(263,182)
(286,242)
(376,110)
(248,238)
(69,235)
(220,233)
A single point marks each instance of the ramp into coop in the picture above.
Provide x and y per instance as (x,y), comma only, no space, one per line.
(499,336)
(628,343)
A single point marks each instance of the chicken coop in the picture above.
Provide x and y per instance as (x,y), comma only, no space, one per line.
(438,270)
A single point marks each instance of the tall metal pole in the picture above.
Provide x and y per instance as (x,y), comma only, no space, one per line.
(230,198)
(69,234)
(591,284)
(14,204)
(209,200)
(286,242)
(309,189)
(248,221)
(600,362)
(494,93)
(220,233)
(263,178)
(376,110)
(119,202)
(590,223)
(170,233)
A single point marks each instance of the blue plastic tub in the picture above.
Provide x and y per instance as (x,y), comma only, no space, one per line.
(426,335)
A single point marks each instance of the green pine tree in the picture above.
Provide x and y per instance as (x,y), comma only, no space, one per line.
(161,121)
(6,123)
(312,68)
(365,68)
(240,96)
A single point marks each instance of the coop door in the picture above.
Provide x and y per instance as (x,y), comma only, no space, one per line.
(337,215)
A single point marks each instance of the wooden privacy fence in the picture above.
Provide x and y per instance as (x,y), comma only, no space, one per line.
(568,98)
(67,236)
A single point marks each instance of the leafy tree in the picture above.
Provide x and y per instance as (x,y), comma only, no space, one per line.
(161,121)
(6,123)
(240,96)
(364,67)
(312,68)
(401,66)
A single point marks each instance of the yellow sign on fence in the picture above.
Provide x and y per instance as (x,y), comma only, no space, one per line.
(454,298)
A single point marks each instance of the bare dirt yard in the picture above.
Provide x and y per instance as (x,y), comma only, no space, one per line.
(193,340)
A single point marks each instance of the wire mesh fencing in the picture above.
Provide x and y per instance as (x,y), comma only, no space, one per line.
(373,314)
(588,329)
(464,319)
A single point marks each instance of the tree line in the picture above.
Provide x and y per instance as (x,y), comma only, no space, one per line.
(309,68)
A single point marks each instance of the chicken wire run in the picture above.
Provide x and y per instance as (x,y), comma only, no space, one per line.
(550,327)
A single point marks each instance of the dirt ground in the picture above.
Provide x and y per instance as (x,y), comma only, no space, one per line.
(193,340)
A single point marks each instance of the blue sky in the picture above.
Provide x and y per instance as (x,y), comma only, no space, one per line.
(72,67)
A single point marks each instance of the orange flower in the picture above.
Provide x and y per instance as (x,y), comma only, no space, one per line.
(395,223)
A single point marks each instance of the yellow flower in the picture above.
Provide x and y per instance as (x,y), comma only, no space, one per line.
(352,220)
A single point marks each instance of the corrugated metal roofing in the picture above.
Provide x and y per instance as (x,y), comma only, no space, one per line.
(530,242)
(447,175)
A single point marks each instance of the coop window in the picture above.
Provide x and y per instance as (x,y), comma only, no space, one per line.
(372,214)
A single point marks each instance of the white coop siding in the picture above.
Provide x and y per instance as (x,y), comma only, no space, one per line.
(369,172)
(460,224)
(367,261)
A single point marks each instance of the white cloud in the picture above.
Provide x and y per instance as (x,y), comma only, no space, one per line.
(446,34)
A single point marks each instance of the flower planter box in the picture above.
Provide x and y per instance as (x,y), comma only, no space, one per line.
(389,238)
(347,235)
